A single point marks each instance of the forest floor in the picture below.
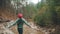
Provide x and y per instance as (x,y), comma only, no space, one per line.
(26,30)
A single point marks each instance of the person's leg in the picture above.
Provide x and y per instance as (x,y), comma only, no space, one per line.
(20,30)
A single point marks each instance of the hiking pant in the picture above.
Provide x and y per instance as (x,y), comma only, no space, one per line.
(20,30)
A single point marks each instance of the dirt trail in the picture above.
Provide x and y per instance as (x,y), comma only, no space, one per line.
(27,30)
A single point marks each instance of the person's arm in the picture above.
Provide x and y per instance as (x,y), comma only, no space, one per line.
(35,28)
(13,23)
(26,22)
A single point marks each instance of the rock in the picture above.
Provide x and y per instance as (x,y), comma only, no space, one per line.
(4,30)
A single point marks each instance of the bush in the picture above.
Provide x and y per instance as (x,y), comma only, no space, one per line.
(44,19)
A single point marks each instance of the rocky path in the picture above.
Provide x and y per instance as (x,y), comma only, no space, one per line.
(26,30)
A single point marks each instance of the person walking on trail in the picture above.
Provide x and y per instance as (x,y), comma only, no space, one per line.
(20,21)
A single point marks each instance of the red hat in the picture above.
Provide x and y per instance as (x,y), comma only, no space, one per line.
(20,15)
